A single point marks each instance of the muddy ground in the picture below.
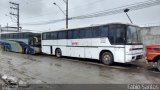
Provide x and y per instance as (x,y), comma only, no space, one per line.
(44,69)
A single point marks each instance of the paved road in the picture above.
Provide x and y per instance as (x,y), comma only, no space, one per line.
(42,69)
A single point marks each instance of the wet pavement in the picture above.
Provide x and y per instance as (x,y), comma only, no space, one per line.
(44,69)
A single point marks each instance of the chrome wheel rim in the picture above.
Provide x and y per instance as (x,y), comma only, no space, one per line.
(106,58)
(58,53)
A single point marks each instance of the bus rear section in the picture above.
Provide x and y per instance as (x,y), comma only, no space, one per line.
(23,42)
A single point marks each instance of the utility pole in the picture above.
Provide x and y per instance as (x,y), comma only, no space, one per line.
(127,10)
(15,7)
(66,14)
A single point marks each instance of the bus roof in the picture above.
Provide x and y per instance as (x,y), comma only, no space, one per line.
(94,26)
(16,32)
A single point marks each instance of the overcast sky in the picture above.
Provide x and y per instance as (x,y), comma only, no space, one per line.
(44,10)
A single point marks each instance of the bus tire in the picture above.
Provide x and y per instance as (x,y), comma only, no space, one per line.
(25,51)
(7,50)
(158,65)
(107,58)
(58,53)
(3,48)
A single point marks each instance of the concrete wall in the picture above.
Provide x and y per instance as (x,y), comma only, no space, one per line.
(150,35)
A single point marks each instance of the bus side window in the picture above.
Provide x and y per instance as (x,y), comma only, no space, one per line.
(104,31)
(75,34)
(11,36)
(23,36)
(7,36)
(111,35)
(4,36)
(82,33)
(120,34)
(69,35)
(96,32)
(16,36)
(26,35)
(54,35)
(48,36)
(88,33)
(20,35)
(62,35)
(1,36)
(44,36)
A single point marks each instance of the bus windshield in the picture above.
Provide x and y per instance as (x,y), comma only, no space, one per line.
(133,35)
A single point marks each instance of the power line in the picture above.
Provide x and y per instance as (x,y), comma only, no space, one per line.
(132,7)
(117,10)
(91,3)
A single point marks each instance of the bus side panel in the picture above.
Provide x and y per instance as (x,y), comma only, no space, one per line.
(62,45)
(77,52)
(47,45)
(92,53)
(15,47)
(46,49)
(76,47)
(22,40)
(119,55)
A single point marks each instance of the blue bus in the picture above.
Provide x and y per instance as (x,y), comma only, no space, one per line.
(23,42)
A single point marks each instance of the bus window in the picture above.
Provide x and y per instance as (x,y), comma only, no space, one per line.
(44,36)
(25,35)
(75,34)
(54,35)
(70,35)
(15,36)
(48,36)
(88,33)
(111,35)
(7,36)
(82,33)
(11,36)
(104,31)
(62,35)
(96,32)
(120,34)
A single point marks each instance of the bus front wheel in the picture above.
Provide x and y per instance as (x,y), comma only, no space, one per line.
(107,58)
(58,53)
(26,51)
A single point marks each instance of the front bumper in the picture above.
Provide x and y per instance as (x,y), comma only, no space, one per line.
(131,58)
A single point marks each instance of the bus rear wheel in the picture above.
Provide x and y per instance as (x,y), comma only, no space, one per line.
(107,58)
(58,53)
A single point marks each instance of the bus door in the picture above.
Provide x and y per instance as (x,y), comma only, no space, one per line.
(117,39)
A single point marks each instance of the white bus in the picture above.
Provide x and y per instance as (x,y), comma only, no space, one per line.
(108,43)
